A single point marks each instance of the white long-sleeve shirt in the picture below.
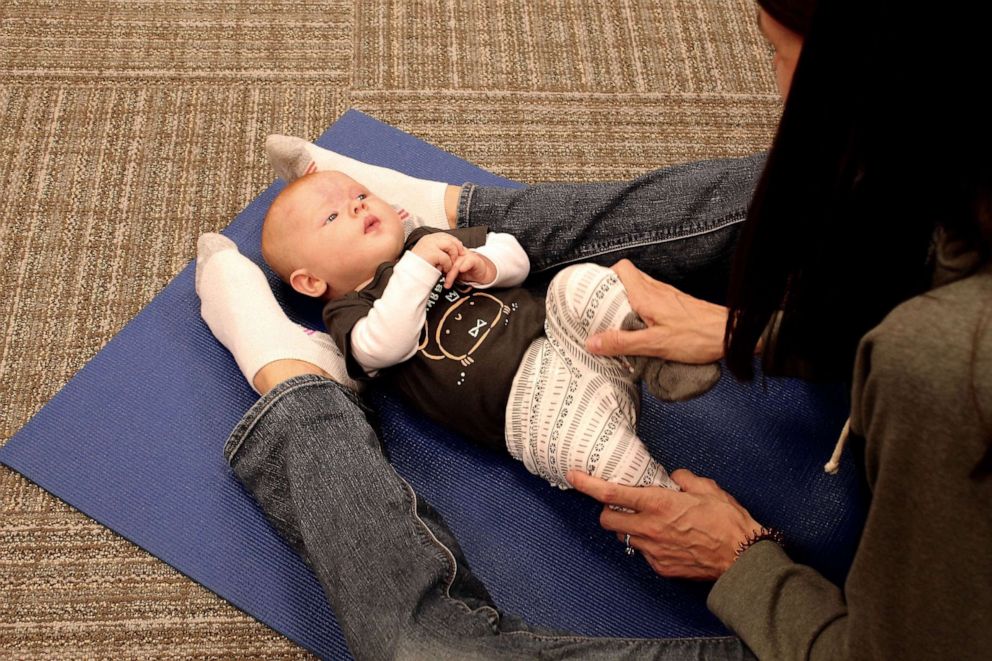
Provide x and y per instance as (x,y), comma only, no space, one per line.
(389,334)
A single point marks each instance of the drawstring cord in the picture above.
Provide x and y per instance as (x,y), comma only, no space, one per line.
(834,463)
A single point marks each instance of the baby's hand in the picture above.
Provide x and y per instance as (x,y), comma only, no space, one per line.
(471,267)
(439,249)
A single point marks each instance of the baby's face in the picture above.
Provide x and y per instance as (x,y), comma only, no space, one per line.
(343,232)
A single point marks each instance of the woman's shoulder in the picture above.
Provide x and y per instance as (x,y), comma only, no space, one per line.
(925,372)
(937,340)
(941,315)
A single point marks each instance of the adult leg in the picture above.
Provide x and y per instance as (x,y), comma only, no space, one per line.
(679,224)
(393,573)
(242,313)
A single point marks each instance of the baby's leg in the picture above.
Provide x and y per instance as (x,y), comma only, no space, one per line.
(563,416)
(585,299)
(435,203)
(241,311)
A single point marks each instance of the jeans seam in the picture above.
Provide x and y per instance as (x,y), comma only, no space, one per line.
(237,438)
(722,223)
(447,555)
(624,641)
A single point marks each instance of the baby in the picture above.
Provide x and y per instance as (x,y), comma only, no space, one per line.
(441,315)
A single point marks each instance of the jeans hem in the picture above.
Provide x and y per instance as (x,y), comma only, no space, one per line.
(464,204)
(258,410)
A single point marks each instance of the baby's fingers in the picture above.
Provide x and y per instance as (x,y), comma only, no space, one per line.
(453,272)
(463,265)
(455,249)
(442,261)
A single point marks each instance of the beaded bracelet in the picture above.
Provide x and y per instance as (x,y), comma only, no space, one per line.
(771,534)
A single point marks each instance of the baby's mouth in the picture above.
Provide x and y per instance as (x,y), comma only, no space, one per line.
(371,222)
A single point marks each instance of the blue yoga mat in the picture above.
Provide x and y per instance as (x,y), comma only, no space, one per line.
(135,439)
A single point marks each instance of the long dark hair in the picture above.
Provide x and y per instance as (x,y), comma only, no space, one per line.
(793,14)
(884,138)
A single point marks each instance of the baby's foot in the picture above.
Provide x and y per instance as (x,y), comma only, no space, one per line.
(668,380)
(292,158)
(243,314)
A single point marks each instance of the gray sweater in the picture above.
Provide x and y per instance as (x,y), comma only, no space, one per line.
(920,586)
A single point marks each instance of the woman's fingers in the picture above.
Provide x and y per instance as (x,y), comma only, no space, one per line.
(637,499)
(679,327)
(692,483)
(630,275)
(603,491)
(692,533)
(615,342)
(641,288)
(622,523)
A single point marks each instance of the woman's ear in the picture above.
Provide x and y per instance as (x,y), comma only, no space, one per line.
(308,284)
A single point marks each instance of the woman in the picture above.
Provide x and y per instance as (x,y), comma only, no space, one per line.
(844,184)
(882,143)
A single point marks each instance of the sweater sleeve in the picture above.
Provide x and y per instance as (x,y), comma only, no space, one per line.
(780,609)
(388,335)
(918,584)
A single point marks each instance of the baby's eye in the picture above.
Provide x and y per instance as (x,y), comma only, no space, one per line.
(331,218)
(362,196)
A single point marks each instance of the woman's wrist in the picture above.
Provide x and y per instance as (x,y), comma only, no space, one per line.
(715,317)
(759,533)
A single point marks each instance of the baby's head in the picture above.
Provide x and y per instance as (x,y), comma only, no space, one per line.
(325,234)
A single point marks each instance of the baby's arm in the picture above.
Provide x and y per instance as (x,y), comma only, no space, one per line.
(389,333)
(504,252)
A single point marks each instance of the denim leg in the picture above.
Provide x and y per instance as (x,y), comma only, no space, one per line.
(393,573)
(310,456)
(679,224)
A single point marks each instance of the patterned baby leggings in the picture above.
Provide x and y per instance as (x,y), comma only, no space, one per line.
(569,409)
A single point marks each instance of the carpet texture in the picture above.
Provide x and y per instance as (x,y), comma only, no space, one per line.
(131,127)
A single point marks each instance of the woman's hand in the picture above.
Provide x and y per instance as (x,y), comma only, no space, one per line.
(693,533)
(680,327)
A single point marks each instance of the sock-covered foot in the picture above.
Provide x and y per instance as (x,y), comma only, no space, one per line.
(668,380)
(292,158)
(243,314)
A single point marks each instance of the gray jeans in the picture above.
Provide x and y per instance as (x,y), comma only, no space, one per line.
(679,224)
(392,571)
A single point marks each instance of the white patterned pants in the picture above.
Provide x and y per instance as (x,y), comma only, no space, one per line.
(569,409)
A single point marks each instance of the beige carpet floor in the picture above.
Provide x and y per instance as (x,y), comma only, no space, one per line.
(131,126)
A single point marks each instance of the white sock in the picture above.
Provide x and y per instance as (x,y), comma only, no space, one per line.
(292,158)
(243,314)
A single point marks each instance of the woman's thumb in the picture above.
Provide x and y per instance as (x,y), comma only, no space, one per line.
(608,343)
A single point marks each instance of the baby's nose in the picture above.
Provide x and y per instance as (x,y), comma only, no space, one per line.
(359,206)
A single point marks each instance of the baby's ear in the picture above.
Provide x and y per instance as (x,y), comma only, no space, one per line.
(308,284)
